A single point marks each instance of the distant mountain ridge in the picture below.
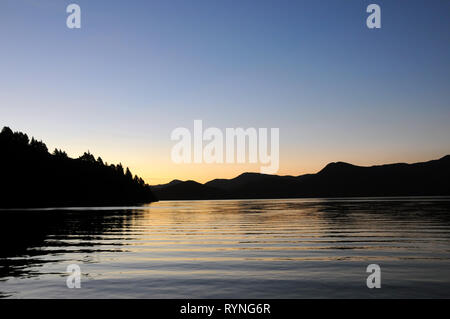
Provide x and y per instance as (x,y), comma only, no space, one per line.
(337,179)
(174,182)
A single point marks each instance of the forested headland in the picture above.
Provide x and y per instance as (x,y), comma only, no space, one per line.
(33,177)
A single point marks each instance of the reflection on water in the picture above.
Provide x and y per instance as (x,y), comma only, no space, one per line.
(230,249)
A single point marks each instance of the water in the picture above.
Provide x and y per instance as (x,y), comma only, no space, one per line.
(296,248)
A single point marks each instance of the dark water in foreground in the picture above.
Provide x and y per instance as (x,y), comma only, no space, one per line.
(230,249)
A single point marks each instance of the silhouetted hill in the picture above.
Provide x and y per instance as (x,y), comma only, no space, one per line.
(334,180)
(245,179)
(174,182)
(190,190)
(32,177)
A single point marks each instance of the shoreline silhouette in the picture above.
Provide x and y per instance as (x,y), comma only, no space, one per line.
(35,178)
(32,177)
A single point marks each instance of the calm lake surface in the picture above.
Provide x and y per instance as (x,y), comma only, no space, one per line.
(295,248)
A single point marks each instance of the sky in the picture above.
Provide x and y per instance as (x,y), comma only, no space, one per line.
(136,70)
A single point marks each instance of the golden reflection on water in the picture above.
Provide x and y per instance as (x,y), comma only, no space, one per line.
(286,227)
(281,248)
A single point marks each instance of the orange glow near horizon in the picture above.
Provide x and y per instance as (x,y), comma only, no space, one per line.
(153,163)
(160,170)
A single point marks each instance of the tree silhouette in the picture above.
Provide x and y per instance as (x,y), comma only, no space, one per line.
(128,174)
(60,153)
(88,157)
(34,178)
(37,145)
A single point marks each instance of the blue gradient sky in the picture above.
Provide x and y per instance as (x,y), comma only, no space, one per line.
(138,69)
